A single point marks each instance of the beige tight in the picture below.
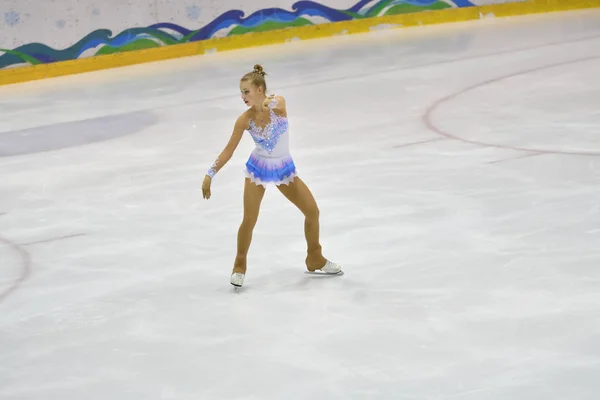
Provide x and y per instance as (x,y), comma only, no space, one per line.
(299,194)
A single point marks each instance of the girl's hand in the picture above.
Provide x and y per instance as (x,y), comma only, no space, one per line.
(206,187)
(267,101)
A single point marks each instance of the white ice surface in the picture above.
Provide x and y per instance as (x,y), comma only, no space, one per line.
(472,265)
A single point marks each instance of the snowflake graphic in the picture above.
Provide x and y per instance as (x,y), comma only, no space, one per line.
(61,23)
(193,12)
(95,12)
(12,18)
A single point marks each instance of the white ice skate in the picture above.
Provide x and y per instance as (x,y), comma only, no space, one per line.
(330,268)
(237,279)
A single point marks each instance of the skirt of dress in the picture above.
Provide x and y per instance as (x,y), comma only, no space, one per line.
(266,170)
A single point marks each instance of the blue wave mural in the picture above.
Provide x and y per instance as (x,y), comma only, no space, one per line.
(165,34)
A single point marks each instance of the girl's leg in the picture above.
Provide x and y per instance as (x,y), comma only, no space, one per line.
(299,194)
(253,195)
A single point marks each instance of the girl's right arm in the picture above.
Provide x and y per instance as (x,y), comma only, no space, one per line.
(238,130)
(234,140)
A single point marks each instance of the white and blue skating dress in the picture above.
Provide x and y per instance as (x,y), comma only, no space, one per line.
(270,162)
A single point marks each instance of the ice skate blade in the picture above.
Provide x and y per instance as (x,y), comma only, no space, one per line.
(237,289)
(323,273)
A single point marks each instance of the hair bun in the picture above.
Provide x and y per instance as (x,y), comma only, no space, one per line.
(259,69)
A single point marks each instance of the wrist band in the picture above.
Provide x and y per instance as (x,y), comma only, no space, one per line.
(212,171)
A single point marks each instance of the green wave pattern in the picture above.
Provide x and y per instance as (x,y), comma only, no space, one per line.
(147,38)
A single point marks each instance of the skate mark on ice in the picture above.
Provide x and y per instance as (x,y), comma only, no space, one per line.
(401,68)
(26,267)
(54,239)
(516,157)
(398,146)
(385,71)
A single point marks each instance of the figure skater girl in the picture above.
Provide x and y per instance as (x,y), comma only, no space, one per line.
(269,163)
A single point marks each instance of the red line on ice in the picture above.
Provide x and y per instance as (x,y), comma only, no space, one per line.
(427,117)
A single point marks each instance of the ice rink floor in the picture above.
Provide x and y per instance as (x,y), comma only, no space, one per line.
(457,171)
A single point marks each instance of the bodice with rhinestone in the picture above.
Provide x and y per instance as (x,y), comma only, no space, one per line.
(268,138)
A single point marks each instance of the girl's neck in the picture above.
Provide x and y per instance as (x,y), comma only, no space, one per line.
(259,107)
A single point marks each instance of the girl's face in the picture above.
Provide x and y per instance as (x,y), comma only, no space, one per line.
(251,95)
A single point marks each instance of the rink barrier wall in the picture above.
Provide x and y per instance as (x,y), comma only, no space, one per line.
(279,36)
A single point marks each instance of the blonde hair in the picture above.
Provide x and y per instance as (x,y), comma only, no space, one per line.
(256,77)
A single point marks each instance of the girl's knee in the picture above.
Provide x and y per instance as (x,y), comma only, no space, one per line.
(312,213)
(249,221)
